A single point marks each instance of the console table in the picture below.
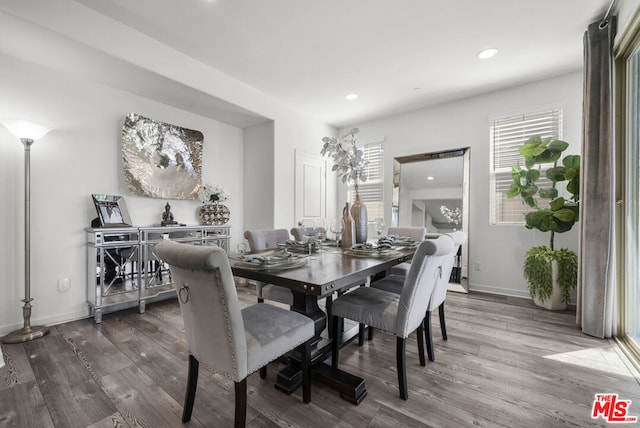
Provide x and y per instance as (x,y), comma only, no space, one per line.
(123,270)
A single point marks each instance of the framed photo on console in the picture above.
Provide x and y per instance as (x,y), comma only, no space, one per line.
(112,211)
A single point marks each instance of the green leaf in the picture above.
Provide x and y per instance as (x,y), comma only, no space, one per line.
(547,224)
(556,174)
(547,157)
(565,215)
(574,188)
(571,161)
(535,218)
(533,175)
(562,226)
(571,173)
(530,201)
(557,204)
(548,193)
(529,190)
(530,149)
(513,191)
(557,146)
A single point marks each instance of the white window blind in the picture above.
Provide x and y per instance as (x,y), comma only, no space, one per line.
(507,134)
(371,191)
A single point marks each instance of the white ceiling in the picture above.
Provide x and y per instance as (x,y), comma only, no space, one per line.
(397,55)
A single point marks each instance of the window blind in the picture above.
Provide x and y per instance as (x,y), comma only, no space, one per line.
(371,191)
(507,134)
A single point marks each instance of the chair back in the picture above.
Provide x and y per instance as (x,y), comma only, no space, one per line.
(425,271)
(299,233)
(440,290)
(210,309)
(264,239)
(417,233)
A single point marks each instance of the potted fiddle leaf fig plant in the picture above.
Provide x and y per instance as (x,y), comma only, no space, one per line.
(550,273)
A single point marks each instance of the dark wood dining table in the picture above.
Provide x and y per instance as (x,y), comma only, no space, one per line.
(327,272)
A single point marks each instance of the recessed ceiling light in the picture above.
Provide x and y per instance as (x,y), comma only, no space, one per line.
(351,97)
(429,178)
(487,53)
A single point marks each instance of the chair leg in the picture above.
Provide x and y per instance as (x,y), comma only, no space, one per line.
(192,383)
(401,367)
(259,286)
(428,336)
(370,333)
(240,419)
(263,372)
(443,326)
(327,305)
(335,347)
(361,328)
(419,334)
(305,362)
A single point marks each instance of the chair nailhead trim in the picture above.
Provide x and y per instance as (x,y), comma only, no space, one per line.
(228,321)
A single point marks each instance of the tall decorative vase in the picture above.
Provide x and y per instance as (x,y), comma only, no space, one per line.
(349,233)
(359,214)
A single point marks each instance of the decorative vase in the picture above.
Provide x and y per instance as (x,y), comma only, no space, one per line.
(349,233)
(213,214)
(359,214)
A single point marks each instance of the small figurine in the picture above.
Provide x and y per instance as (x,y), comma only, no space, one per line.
(167,217)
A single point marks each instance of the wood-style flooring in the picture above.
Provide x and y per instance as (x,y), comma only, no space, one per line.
(507,363)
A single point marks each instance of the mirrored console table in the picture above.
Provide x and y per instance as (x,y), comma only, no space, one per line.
(123,270)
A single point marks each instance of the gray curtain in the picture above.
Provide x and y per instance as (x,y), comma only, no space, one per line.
(596,303)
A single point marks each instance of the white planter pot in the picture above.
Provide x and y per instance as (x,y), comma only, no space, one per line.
(553,303)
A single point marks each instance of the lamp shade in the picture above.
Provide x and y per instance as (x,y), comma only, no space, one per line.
(25,129)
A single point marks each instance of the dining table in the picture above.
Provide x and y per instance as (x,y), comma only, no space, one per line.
(329,272)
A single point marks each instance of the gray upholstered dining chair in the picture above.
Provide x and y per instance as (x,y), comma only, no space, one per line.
(416,233)
(299,233)
(232,341)
(399,314)
(262,240)
(394,283)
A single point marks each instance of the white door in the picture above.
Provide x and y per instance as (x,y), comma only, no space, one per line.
(310,186)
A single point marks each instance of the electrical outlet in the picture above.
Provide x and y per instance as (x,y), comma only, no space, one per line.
(64,284)
(478,266)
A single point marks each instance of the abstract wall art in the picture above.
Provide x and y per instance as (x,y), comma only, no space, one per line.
(161,160)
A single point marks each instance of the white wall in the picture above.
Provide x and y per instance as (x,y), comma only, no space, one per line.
(499,249)
(258,170)
(84,95)
(82,155)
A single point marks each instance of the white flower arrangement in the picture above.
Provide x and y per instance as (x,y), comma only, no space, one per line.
(212,193)
(452,215)
(349,162)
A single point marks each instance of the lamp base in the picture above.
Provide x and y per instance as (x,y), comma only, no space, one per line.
(25,334)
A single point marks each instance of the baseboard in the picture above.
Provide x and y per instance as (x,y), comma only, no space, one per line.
(48,321)
(500,291)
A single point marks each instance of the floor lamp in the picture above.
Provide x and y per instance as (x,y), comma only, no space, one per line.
(28,132)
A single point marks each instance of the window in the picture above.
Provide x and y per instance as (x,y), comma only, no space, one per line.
(630,297)
(371,191)
(507,134)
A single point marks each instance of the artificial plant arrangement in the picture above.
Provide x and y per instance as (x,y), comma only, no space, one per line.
(349,164)
(559,217)
(212,193)
(348,160)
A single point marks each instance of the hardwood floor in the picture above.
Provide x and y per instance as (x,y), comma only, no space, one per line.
(506,363)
